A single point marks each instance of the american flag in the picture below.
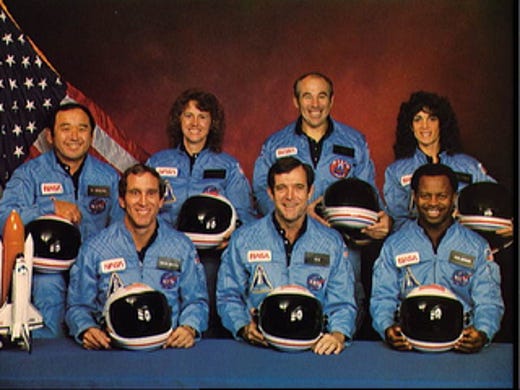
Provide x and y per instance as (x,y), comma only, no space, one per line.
(30,89)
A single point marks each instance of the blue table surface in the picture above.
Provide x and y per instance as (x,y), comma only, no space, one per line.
(226,363)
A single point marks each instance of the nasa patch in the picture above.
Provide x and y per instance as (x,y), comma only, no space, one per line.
(284,152)
(315,282)
(169,280)
(97,206)
(112,265)
(258,256)
(461,278)
(339,168)
(51,188)
(167,171)
(405,259)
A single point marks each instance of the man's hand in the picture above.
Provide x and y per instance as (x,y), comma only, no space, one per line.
(67,210)
(311,211)
(181,337)
(472,340)
(381,228)
(95,338)
(396,340)
(250,333)
(330,343)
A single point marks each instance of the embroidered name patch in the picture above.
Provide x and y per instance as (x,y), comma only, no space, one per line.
(214,174)
(112,265)
(405,259)
(99,191)
(462,259)
(258,256)
(168,264)
(319,259)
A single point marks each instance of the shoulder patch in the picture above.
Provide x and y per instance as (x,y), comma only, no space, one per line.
(406,180)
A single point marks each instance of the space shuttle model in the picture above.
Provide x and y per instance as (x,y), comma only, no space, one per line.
(18,317)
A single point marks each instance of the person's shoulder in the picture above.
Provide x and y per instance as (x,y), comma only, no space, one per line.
(465,159)
(95,164)
(106,234)
(347,129)
(39,162)
(407,232)
(469,236)
(282,133)
(222,156)
(323,230)
(173,235)
(162,155)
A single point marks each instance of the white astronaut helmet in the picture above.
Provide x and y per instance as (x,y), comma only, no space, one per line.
(56,243)
(291,318)
(431,318)
(138,317)
(207,219)
(350,205)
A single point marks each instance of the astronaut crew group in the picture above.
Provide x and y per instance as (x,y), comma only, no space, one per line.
(130,240)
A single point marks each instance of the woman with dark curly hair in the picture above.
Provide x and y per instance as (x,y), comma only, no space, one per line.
(427,132)
(195,163)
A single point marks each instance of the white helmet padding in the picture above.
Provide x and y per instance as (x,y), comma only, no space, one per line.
(56,243)
(291,318)
(207,219)
(431,318)
(138,317)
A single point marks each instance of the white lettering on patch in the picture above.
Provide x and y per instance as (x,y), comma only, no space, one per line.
(258,255)
(112,265)
(407,259)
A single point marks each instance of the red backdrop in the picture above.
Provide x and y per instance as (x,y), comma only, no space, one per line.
(133,57)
